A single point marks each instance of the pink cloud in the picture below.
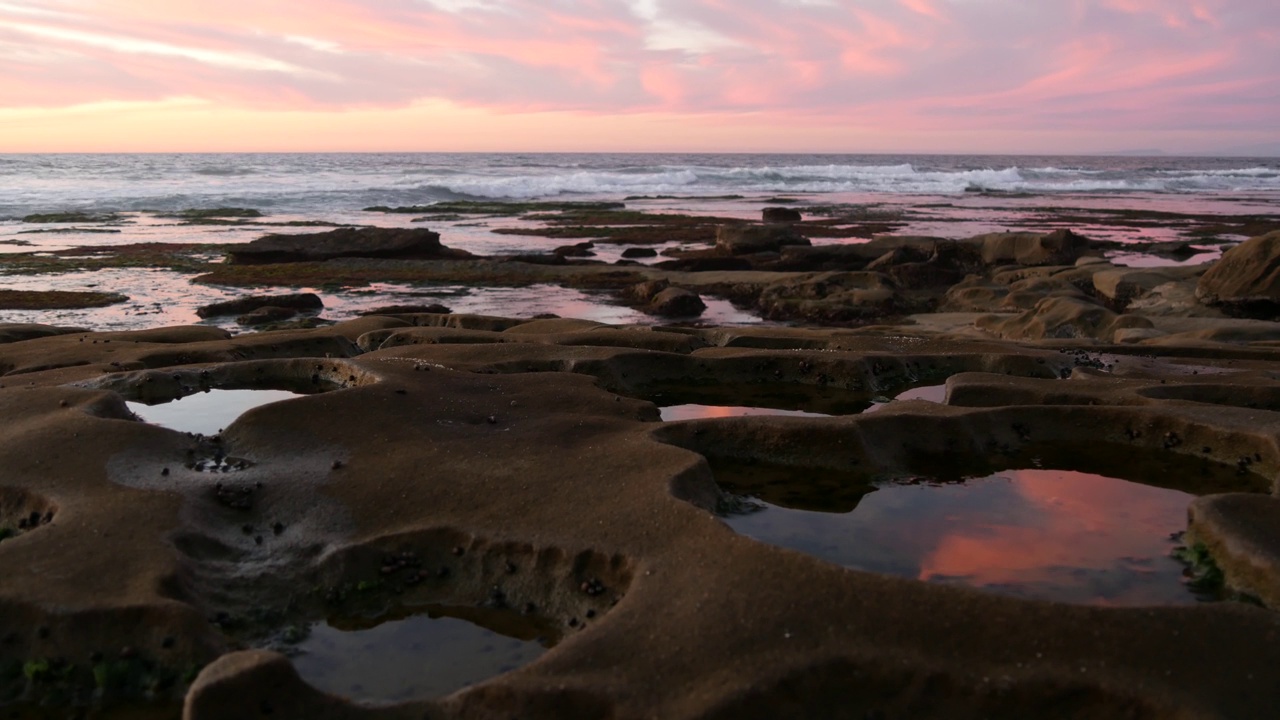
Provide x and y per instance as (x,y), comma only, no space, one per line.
(1117,65)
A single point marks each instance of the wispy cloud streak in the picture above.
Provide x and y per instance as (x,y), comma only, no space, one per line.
(923,65)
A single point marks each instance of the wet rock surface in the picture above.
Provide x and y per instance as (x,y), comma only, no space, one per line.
(516,471)
(245,305)
(342,242)
(517,466)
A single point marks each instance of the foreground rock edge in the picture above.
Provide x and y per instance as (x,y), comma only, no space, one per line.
(863,643)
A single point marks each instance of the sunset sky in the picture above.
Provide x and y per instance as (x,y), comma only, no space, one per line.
(1054,76)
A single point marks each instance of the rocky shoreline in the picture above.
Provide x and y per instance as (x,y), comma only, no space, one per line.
(517,468)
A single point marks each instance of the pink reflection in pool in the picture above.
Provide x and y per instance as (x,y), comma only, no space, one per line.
(1043,534)
(703,412)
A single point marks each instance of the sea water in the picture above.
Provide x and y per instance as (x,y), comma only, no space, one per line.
(945,196)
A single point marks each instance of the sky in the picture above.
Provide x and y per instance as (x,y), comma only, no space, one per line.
(977,76)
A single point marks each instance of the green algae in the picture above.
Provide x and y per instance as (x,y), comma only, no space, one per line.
(1203,574)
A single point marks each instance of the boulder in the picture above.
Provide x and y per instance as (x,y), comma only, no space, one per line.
(393,243)
(637,252)
(677,302)
(659,297)
(1060,247)
(781,215)
(746,239)
(245,305)
(1246,281)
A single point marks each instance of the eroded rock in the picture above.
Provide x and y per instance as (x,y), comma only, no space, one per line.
(1246,281)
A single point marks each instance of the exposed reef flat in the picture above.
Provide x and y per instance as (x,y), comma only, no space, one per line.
(514,474)
(518,468)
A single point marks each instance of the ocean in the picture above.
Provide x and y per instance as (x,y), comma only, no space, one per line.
(326,183)
(1110,198)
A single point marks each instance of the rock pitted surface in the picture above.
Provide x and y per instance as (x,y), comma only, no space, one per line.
(519,466)
(604,498)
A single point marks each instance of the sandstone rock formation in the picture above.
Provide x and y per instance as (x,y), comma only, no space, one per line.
(1246,281)
(519,470)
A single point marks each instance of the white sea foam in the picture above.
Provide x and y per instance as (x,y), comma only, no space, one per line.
(346,183)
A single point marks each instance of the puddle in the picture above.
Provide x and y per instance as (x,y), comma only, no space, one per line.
(1054,535)
(931,393)
(206,413)
(702,412)
(420,657)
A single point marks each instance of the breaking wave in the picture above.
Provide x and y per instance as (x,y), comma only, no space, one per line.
(306,183)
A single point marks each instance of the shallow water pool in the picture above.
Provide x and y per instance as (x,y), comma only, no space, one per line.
(206,413)
(1045,534)
(419,657)
(693,411)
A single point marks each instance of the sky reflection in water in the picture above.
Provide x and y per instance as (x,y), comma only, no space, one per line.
(1045,534)
(206,413)
(420,657)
